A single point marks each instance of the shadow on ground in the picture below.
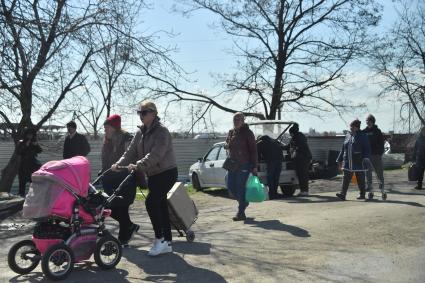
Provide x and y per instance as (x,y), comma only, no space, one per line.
(172,267)
(278,226)
(313,199)
(217,192)
(82,272)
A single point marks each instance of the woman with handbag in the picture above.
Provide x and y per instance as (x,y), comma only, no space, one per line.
(151,152)
(114,144)
(242,160)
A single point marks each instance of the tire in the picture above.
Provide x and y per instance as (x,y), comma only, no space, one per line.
(56,256)
(288,190)
(195,182)
(31,262)
(105,247)
(190,236)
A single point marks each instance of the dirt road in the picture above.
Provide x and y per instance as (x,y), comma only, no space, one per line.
(314,239)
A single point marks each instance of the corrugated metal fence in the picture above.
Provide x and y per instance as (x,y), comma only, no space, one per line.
(187,151)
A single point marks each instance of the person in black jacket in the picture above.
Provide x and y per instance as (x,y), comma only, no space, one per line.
(301,156)
(270,150)
(75,144)
(28,149)
(419,157)
(376,141)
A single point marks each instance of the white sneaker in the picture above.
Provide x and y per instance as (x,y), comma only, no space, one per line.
(160,247)
(302,194)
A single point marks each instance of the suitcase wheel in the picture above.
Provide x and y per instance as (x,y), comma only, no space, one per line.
(190,236)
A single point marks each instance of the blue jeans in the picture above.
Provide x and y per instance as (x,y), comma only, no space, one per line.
(236,183)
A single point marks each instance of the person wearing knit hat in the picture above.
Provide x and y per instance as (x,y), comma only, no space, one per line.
(113,121)
(355,153)
(301,157)
(115,142)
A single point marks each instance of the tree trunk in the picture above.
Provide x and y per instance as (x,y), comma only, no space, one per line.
(9,173)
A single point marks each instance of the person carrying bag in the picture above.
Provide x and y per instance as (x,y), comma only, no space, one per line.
(242,160)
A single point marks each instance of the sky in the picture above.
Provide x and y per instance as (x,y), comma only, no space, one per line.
(202,52)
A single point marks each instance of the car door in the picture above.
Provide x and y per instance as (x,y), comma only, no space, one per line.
(218,165)
(207,166)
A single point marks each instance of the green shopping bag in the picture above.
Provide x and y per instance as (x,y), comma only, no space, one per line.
(254,190)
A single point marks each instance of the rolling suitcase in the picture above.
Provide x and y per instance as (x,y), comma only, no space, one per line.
(182,210)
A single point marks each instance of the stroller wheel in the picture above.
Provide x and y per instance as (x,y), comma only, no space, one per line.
(57,262)
(108,252)
(190,236)
(23,257)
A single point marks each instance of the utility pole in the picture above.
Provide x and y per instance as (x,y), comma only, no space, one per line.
(191,110)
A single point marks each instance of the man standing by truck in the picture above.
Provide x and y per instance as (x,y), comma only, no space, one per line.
(301,156)
(270,150)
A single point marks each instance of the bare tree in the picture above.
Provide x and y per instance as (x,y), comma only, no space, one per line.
(115,79)
(45,48)
(399,58)
(289,53)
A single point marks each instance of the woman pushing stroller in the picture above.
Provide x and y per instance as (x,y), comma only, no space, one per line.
(151,152)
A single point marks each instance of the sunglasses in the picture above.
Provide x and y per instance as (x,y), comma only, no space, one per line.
(144,112)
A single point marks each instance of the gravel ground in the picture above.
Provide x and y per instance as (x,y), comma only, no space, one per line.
(314,239)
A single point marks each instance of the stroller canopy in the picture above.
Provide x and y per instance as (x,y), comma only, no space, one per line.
(74,172)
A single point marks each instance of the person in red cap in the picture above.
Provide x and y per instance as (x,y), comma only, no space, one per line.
(114,145)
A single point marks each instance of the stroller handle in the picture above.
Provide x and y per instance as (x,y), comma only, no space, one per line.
(117,190)
(106,171)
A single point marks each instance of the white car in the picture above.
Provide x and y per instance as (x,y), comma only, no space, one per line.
(208,171)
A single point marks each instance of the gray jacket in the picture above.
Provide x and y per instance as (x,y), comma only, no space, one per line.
(151,150)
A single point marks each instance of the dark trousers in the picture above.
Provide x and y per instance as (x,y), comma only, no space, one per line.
(120,214)
(23,180)
(360,181)
(156,202)
(301,168)
(420,169)
(273,174)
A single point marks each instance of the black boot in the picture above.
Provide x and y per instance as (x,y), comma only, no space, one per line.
(341,196)
(419,186)
(239,217)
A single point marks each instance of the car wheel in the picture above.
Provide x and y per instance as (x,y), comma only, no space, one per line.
(288,190)
(195,182)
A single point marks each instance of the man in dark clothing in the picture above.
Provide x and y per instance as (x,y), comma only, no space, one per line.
(301,156)
(419,157)
(270,150)
(28,149)
(75,143)
(376,141)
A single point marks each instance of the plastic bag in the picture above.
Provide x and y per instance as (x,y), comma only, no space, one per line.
(254,190)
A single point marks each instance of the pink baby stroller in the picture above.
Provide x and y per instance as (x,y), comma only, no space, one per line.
(70,217)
